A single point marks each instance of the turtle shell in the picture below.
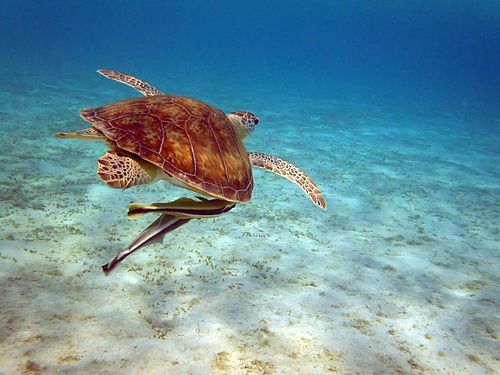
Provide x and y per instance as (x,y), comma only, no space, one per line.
(190,140)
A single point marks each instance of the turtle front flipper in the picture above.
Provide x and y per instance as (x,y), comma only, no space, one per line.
(143,87)
(289,171)
(121,171)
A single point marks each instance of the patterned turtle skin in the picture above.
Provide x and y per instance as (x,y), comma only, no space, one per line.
(188,139)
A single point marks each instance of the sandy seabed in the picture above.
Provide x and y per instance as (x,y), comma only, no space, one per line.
(399,276)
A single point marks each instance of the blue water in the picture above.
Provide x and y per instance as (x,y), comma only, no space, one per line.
(391,107)
(444,52)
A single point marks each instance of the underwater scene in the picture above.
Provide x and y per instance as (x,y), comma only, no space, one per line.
(249,187)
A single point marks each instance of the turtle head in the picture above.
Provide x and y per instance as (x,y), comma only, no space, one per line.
(244,122)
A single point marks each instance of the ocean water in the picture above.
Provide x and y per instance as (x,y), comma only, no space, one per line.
(392,108)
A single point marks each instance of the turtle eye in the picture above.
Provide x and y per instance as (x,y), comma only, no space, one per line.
(254,120)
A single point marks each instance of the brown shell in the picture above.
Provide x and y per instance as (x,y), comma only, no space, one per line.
(187,138)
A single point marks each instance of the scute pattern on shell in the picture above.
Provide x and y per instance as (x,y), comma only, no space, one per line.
(185,137)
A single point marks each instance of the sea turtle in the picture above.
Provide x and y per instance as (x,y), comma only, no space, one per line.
(185,141)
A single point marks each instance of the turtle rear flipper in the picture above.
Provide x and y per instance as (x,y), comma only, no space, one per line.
(88,134)
(121,171)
